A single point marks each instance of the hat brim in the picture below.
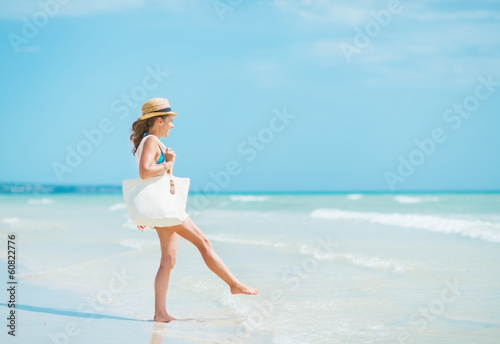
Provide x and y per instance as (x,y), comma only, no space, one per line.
(153,114)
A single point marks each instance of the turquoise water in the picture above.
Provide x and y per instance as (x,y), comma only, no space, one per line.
(356,268)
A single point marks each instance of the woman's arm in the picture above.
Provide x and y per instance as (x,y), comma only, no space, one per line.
(147,167)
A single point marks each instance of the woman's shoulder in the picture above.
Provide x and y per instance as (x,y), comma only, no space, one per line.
(152,144)
(146,143)
(149,138)
(149,142)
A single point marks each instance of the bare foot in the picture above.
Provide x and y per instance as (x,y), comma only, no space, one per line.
(163,318)
(243,289)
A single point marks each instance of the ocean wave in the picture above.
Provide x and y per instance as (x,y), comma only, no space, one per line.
(354,197)
(357,260)
(137,244)
(129,224)
(412,199)
(488,231)
(40,201)
(248,198)
(117,206)
(10,220)
(228,239)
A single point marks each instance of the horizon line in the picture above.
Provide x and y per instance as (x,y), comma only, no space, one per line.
(48,188)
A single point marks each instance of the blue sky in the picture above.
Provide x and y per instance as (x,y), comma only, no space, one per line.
(292,96)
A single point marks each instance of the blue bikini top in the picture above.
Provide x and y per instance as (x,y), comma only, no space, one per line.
(162,157)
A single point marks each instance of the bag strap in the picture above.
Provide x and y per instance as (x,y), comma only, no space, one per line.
(169,171)
(165,159)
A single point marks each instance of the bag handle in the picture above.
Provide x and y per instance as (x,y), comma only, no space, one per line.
(172,184)
(165,159)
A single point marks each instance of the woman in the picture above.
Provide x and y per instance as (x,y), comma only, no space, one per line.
(156,122)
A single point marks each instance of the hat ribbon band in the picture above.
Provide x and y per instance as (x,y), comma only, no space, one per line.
(162,110)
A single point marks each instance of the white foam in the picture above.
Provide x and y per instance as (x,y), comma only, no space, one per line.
(117,206)
(243,308)
(354,197)
(358,260)
(10,220)
(225,238)
(412,199)
(137,244)
(40,201)
(248,198)
(488,231)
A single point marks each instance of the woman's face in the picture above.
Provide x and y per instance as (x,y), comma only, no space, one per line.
(165,125)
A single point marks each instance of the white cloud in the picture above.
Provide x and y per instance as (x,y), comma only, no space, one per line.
(325,48)
(357,12)
(324,10)
(179,5)
(322,52)
(265,74)
(458,15)
(30,49)
(452,54)
(28,8)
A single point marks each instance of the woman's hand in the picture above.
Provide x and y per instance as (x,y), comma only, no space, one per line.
(142,228)
(170,155)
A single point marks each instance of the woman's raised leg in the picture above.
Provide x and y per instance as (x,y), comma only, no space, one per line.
(168,242)
(189,231)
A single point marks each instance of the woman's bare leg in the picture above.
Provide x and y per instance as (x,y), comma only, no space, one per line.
(168,242)
(189,231)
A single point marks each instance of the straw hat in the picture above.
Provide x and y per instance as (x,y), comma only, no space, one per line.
(156,107)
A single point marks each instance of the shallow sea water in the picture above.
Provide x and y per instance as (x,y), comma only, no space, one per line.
(331,268)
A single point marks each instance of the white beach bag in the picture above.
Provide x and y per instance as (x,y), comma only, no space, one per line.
(158,201)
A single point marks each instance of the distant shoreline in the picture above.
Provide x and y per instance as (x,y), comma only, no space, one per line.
(39,188)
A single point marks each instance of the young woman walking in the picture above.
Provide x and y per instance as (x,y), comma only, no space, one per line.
(153,158)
